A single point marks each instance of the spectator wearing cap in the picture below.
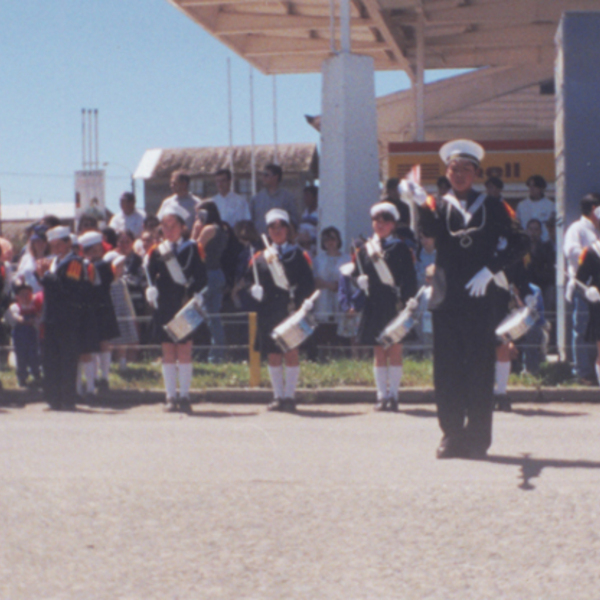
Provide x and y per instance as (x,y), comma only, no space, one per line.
(232,207)
(101,321)
(537,206)
(23,315)
(36,249)
(385,271)
(64,279)
(130,218)
(180,186)
(282,281)
(176,274)
(476,237)
(272,195)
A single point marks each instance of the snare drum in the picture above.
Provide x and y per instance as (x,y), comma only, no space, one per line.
(398,328)
(186,321)
(294,330)
(517,324)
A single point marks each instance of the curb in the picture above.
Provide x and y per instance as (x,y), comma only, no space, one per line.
(338,395)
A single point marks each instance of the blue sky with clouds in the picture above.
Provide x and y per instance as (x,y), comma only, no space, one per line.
(157,79)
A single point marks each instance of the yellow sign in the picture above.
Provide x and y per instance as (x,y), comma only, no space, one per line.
(512,161)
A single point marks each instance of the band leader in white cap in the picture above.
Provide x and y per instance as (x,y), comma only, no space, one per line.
(175,274)
(385,271)
(476,238)
(282,281)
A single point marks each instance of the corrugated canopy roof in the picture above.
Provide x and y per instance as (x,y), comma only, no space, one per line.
(293,158)
(294,37)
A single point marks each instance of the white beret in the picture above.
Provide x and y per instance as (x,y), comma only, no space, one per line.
(462,149)
(385,208)
(111,255)
(597,212)
(58,233)
(174,210)
(277,214)
(117,261)
(90,238)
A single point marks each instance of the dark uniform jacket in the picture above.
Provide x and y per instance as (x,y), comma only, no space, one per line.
(492,238)
(101,276)
(383,302)
(171,295)
(588,273)
(277,304)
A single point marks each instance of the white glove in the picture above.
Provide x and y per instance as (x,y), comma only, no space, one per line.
(531,301)
(152,296)
(412,304)
(412,192)
(257,292)
(308,305)
(592,294)
(199,298)
(478,285)
(363,282)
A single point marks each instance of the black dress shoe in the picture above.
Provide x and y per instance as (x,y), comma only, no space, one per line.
(288,405)
(184,406)
(451,448)
(393,405)
(477,453)
(502,403)
(381,404)
(276,405)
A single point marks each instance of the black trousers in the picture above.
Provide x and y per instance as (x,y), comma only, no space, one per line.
(463,371)
(61,351)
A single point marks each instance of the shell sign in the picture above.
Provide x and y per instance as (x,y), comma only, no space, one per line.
(514,161)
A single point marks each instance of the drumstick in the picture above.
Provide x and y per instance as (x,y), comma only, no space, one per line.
(360,267)
(255,270)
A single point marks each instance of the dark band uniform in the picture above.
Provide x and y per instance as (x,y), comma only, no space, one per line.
(383,303)
(100,321)
(588,273)
(463,325)
(64,297)
(171,295)
(278,304)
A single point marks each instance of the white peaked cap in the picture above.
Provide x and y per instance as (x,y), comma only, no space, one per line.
(277,214)
(462,149)
(175,210)
(58,233)
(90,238)
(111,255)
(385,208)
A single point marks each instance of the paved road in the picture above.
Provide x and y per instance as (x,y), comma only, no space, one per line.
(335,503)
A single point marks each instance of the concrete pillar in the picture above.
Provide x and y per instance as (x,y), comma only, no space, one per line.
(576,130)
(349,165)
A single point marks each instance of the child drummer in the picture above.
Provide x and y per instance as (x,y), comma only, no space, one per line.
(175,273)
(283,281)
(385,271)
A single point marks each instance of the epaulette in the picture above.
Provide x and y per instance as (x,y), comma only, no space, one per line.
(151,249)
(308,258)
(91,271)
(527,259)
(510,210)
(430,203)
(74,270)
(583,255)
(2,271)
(255,256)
(201,251)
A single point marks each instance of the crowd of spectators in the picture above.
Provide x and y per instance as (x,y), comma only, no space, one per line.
(229,230)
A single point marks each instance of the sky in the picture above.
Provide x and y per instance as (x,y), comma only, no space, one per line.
(157,79)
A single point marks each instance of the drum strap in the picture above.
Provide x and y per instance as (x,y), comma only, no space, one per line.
(381,267)
(596,247)
(171,262)
(276,269)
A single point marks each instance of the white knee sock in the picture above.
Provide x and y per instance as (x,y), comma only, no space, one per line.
(79,384)
(291,381)
(169,372)
(502,375)
(104,364)
(381,381)
(185,379)
(394,377)
(276,376)
(89,368)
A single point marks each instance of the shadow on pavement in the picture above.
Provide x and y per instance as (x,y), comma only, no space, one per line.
(324,414)
(542,412)
(533,467)
(418,412)
(221,414)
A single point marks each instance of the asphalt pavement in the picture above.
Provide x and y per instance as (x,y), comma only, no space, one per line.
(336,502)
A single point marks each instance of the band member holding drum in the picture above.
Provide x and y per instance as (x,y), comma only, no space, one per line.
(283,282)
(588,274)
(176,274)
(476,238)
(385,271)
